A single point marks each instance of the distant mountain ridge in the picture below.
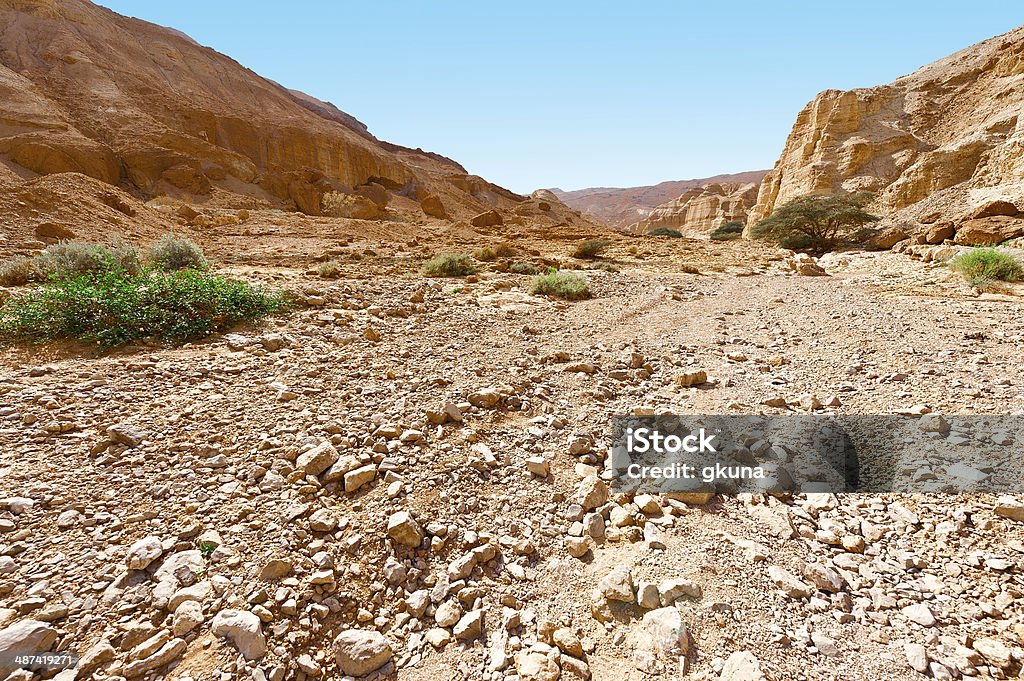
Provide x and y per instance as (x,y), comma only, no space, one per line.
(624,206)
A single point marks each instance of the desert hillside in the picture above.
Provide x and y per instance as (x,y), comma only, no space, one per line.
(934,146)
(146,109)
(621,207)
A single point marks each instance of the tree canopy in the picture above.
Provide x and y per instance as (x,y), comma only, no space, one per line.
(822,218)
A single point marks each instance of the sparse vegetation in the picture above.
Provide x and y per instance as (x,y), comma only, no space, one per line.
(70,259)
(665,231)
(591,249)
(822,219)
(728,231)
(329,269)
(506,251)
(523,268)
(485,254)
(448,265)
(115,307)
(172,253)
(561,284)
(982,267)
(18,272)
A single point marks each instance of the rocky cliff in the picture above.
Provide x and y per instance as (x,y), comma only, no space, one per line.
(937,145)
(699,211)
(620,207)
(83,89)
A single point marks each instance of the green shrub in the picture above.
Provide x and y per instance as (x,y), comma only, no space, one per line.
(665,231)
(560,284)
(448,265)
(591,248)
(523,268)
(115,307)
(982,266)
(728,231)
(330,269)
(172,253)
(485,254)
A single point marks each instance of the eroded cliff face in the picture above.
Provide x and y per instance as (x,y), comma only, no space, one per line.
(699,211)
(934,145)
(83,89)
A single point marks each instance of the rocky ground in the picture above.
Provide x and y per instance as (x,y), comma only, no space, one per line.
(403,477)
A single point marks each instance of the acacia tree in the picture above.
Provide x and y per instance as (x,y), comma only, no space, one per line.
(821,218)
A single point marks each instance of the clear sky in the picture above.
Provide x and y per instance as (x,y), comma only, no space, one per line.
(574,93)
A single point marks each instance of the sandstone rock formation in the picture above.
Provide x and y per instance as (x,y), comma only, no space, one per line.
(701,210)
(617,207)
(932,145)
(85,90)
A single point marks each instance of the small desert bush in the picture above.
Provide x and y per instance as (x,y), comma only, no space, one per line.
(71,259)
(591,248)
(523,268)
(560,284)
(172,253)
(329,269)
(506,251)
(983,266)
(486,254)
(728,232)
(18,272)
(665,231)
(115,307)
(335,204)
(448,265)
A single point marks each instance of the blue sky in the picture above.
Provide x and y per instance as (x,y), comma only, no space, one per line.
(576,94)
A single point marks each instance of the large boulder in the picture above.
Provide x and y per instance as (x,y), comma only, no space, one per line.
(432,206)
(939,232)
(374,192)
(989,230)
(490,218)
(887,238)
(994,208)
(359,652)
